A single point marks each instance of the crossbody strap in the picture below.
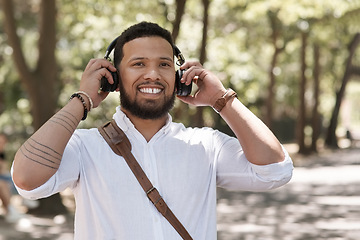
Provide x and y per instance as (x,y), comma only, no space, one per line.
(121,145)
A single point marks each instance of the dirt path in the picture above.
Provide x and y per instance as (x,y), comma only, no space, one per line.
(322,201)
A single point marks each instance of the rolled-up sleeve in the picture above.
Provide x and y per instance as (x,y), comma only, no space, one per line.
(235,172)
(42,191)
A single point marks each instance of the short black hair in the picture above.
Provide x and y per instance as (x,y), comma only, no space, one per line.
(142,29)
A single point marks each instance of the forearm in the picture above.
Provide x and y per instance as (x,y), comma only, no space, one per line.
(260,145)
(40,156)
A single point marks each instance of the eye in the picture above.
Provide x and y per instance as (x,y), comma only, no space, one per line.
(165,64)
(138,64)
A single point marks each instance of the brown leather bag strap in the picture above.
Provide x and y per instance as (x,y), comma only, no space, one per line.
(121,145)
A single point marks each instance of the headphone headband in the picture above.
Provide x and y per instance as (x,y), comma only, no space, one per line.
(179,56)
(110,48)
(181,88)
(177,52)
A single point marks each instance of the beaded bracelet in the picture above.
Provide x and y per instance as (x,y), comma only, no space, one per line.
(88,97)
(77,95)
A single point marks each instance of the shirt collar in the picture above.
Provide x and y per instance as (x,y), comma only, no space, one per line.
(125,124)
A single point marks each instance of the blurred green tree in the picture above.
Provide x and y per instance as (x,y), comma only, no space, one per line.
(285,59)
(40,82)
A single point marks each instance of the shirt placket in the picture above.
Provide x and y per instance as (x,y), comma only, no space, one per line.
(151,171)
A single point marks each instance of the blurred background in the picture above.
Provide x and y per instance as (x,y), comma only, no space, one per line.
(295,64)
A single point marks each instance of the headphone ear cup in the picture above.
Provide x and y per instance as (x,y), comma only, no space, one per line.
(105,86)
(115,77)
(181,88)
(178,76)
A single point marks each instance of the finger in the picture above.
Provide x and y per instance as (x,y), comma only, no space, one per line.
(90,63)
(105,73)
(192,74)
(190,64)
(95,64)
(112,68)
(187,99)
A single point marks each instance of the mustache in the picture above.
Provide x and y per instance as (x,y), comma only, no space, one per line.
(151,83)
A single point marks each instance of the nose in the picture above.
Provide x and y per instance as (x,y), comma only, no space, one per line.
(152,74)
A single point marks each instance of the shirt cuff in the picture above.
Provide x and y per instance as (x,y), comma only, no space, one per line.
(36,193)
(275,171)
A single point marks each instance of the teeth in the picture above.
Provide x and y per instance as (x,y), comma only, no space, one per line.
(150,90)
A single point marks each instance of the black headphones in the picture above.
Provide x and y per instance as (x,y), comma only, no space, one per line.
(181,88)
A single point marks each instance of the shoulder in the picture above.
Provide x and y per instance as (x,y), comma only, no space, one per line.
(198,134)
(179,127)
(87,133)
(86,141)
(85,136)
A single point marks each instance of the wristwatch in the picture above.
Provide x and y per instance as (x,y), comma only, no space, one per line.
(221,102)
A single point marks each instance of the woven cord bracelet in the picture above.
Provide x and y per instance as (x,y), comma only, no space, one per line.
(77,95)
(89,98)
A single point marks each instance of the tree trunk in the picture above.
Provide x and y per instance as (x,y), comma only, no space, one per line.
(49,206)
(315,113)
(198,118)
(180,9)
(182,111)
(275,33)
(331,139)
(302,108)
(40,84)
(271,90)
(46,71)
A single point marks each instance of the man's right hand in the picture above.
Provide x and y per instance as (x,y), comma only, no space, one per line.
(91,78)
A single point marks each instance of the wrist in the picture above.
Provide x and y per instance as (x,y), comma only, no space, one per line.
(88,99)
(216,96)
(79,97)
(221,102)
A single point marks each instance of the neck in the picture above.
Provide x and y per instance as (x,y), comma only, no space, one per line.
(147,127)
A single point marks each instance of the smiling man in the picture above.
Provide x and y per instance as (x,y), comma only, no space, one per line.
(147,72)
(185,164)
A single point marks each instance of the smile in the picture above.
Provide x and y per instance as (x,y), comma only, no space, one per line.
(150,90)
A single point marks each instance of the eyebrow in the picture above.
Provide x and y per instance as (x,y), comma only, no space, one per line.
(142,58)
(166,58)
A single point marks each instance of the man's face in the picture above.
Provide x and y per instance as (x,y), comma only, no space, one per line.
(147,77)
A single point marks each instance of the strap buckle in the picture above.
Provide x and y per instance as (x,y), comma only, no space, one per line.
(156,195)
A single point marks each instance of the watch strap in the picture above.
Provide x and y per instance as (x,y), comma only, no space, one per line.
(221,102)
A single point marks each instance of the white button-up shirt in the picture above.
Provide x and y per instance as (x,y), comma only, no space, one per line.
(184,164)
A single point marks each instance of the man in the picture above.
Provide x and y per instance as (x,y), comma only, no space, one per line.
(184,164)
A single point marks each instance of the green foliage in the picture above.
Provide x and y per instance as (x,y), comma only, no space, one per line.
(239,48)
(85,32)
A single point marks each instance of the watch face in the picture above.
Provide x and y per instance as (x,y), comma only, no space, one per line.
(221,102)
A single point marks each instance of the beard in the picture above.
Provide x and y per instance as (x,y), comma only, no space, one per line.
(151,109)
